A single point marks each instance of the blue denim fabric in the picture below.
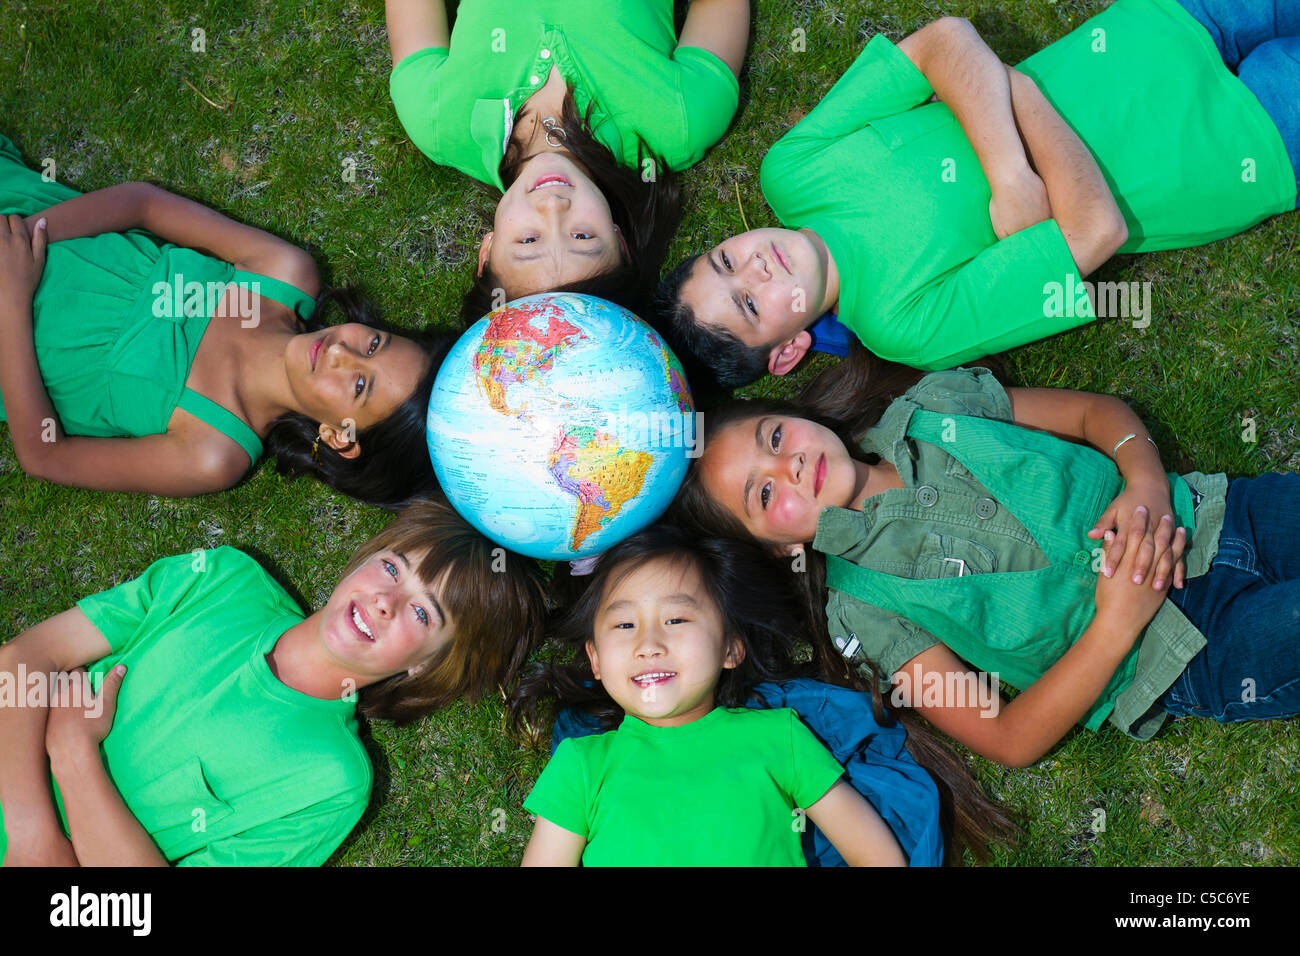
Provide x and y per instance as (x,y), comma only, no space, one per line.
(1259,40)
(875,758)
(1248,608)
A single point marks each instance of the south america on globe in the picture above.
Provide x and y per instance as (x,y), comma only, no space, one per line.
(560,424)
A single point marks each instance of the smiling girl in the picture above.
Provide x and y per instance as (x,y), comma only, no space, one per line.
(153,345)
(225,732)
(963,530)
(578,112)
(704,765)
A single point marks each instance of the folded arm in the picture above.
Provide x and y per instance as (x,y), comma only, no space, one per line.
(104,831)
(1037,167)
(1082,203)
(31,822)
(1016,733)
(971,81)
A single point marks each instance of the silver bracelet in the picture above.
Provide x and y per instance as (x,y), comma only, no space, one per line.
(1132,435)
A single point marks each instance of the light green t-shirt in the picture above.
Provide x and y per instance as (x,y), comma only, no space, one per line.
(458,105)
(716,792)
(220,762)
(893,187)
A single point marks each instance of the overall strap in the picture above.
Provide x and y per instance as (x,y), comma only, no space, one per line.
(224,421)
(302,304)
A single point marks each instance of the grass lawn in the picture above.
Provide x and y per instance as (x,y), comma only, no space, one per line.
(286,96)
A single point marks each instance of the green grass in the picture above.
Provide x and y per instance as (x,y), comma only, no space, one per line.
(102,89)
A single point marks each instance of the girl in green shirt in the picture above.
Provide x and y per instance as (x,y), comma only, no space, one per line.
(579,111)
(671,637)
(958,477)
(135,362)
(225,731)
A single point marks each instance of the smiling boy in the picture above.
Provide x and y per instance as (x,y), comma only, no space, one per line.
(937,229)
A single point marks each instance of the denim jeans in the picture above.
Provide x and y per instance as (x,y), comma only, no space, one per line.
(1248,607)
(1259,40)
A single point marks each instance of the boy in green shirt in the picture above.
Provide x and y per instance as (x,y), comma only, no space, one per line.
(940,237)
(225,730)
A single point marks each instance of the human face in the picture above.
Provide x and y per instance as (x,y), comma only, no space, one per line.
(775,474)
(659,644)
(382,619)
(552,227)
(353,373)
(764,286)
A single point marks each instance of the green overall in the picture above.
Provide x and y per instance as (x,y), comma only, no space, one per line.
(1017,624)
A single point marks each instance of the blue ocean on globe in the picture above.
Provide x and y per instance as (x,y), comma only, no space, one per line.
(560,424)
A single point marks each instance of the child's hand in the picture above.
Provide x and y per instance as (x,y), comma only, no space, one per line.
(1113,526)
(1019,201)
(1121,596)
(22,260)
(79,718)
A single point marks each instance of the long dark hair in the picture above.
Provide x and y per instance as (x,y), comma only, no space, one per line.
(737,576)
(393,467)
(646,212)
(848,399)
(747,584)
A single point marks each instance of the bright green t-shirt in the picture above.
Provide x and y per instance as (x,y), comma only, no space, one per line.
(893,187)
(220,762)
(720,791)
(458,105)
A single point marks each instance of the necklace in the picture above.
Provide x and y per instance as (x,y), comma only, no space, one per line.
(553,128)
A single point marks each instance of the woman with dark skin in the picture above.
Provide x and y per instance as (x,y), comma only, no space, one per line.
(94,350)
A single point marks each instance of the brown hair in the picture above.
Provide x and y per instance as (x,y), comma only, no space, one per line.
(496,601)
(848,399)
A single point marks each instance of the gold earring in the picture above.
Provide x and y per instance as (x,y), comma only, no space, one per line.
(315,449)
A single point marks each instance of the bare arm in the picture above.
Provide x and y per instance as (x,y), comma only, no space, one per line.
(855,828)
(104,832)
(415,25)
(1102,421)
(1081,201)
(1019,732)
(170,464)
(183,222)
(719,26)
(971,81)
(62,642)
(553,845)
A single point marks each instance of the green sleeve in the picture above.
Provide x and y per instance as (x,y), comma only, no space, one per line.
(881,82)
(963,391)
(306,838)
(560,794)
(884,639)
(1013,293)
(710,95)
(413,86)
(814,769)
(120,613)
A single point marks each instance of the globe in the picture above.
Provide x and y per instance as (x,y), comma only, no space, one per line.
(560,424)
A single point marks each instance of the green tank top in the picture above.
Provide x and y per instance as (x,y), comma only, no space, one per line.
(118,317)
